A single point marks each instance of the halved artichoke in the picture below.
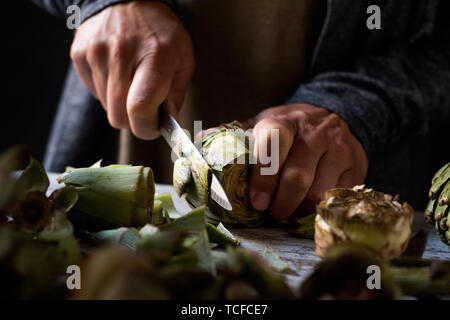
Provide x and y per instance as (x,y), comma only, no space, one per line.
(364,216)
(437,211)
(227,152)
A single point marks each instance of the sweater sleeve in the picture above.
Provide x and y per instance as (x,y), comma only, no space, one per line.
(390,96)
(88,8)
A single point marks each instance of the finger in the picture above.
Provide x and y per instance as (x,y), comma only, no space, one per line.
(333,163)
(119,82)
(83,70)
(348,179)
(327,175)
(273,140)
(149,88)
(97,58)
(296,177)
(180,84)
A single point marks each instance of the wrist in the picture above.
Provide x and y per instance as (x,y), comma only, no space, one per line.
(91,8)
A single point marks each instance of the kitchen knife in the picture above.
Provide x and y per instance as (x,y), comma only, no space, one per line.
(179,141)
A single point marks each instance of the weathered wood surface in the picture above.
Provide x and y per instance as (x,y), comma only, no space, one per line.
(298,253)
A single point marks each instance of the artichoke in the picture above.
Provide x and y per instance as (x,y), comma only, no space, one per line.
(364,216)
(437,211)
(111,197)
(227,152)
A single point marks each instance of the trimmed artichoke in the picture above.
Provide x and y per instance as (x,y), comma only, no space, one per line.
(437,211)
(112,196)
(364,216)
(227,153)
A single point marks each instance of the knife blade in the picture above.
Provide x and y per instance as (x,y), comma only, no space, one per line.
(178,141)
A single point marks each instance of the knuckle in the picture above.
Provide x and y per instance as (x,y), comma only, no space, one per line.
(271,123)
(305,123)
(296,178)
(340,149)
(137,106)
(120,47)
(76,52)
(159,45)
(95,50)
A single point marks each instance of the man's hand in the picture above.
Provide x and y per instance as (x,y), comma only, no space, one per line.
(317,151)
(132,57)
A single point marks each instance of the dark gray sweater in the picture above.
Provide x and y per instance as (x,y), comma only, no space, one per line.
(392,87)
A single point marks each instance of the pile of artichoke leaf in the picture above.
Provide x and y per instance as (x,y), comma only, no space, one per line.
(133,244)
(128,242)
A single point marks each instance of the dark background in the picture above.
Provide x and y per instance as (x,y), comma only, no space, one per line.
(35,55)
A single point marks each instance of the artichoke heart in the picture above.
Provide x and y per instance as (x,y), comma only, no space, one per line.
(438,209)
(364,216)
(226,150)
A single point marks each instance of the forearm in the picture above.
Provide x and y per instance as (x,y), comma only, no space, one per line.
(88,8)
(389,97)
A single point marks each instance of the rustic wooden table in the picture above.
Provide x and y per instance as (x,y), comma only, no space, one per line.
(298,253)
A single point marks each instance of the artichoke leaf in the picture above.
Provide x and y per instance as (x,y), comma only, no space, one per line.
(64,198)
(220,235)
(439,181)
(33,178)
(274,261)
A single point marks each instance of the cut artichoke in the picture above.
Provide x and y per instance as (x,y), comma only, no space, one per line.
(363,216)
(437,211)
(112,196)
(226,151)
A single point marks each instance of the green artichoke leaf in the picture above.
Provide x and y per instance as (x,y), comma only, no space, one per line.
(33,178)
(304,227)
(64,198)
(182,177)
(444,197)
(59,228)
(220,235)
(157,216)
(126,237)
(429,210)
(439,180)
(439,172)
(275,261)
(169,210)
(193,222)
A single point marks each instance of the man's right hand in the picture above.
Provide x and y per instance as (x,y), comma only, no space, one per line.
(133,57)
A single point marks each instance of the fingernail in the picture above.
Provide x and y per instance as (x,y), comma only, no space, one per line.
(261,201)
